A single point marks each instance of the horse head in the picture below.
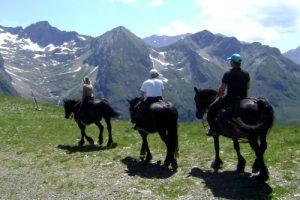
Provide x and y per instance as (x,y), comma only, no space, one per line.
(203,98)
(133,106)
(69,107)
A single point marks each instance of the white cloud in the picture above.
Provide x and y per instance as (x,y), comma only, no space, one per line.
(268,22)
(157,3)
(175,28)
(251,20)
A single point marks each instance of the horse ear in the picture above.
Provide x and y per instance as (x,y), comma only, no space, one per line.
(128,100)
(196,90)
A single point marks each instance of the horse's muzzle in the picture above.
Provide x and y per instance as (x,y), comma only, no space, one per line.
(67,117)
(199,115)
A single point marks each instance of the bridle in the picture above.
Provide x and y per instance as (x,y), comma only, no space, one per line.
(205,112)
(203,123)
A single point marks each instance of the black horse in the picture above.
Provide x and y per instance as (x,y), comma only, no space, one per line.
(162,118)
(250,118)
(98,109)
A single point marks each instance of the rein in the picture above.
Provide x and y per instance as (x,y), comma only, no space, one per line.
(203,124)
(203,121)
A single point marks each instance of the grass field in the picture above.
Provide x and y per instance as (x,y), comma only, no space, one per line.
(40,159)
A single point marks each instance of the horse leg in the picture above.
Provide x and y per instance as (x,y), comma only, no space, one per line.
(241,160)
(82,131)
(108,124)
(173,142)
(101,128)
(83,135)
(217,163)
(168,159)
(259,164)
(264,172)
(145,151)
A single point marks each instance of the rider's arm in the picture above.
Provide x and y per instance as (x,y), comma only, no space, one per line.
(222,89)
(142,94)
(84,94)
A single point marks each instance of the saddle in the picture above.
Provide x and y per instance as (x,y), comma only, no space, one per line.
(142,109)
(246,110)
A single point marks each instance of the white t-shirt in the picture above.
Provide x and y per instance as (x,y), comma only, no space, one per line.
(152,87)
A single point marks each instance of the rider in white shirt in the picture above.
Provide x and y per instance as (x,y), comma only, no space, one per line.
(153,87)
(151,91)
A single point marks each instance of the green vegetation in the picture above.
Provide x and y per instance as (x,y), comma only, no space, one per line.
(40,160)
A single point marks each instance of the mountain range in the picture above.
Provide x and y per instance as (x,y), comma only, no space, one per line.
(160,41)
(43,62)
(293,54)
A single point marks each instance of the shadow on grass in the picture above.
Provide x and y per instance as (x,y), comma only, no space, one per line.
(85,148)
(145,169)
(233,185)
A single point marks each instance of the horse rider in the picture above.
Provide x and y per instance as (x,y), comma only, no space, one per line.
(236,80)
(151,91)
(87,95)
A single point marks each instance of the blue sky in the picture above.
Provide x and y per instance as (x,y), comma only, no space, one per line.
(275,23)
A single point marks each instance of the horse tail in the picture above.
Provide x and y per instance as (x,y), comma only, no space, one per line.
(173,136)
(266,120)
(268,112)
(109,110)
(112,112)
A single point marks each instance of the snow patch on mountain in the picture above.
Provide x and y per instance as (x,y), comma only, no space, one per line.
(6,39)
(27,44)
(160,60)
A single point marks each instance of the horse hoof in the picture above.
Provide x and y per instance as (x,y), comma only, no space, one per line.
(240,168)
(174,166)
(80,143)
(148,158)
(91,141)
(166,164)
(256,166)
(217,164)
(255,170)
(142,157)
(261,178)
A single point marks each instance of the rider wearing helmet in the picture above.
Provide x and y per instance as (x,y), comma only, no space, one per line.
(236,81)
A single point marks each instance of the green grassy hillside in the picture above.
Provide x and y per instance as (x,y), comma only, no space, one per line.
(40,160)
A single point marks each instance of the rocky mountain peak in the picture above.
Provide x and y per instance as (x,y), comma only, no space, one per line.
(44,34)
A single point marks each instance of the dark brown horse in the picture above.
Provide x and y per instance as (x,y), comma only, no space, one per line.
(162,118)
(251,118)
(99,109)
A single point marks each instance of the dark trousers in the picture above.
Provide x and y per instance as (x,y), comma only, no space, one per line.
(216,107)
(84,109)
